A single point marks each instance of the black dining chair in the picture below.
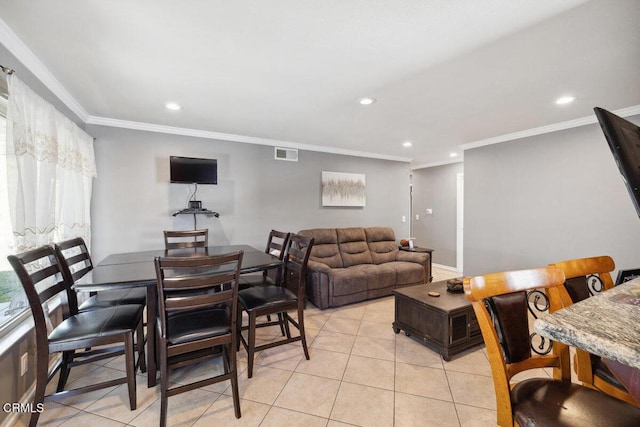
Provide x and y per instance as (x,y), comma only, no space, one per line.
(183,239)
(76,262)
(501,303)
(198,304)
(111,329)
(268,299)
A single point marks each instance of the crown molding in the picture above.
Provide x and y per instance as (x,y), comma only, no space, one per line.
(624,112)
(442,163)
(11,41)
(18,49)
(150,127)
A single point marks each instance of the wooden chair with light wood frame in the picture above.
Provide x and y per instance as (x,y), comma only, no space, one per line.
(501,302)
(586,277)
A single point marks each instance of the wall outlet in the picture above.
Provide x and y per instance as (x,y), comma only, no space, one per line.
(24,364)
(404,218)
(417,217)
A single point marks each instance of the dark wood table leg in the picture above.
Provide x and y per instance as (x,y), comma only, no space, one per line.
(151,336)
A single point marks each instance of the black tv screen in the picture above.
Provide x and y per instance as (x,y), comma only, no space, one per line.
(624,141)
(190,170)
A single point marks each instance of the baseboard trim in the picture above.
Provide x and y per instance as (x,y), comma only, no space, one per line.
(445,267)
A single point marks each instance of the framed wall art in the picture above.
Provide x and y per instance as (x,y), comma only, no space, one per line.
(343,189)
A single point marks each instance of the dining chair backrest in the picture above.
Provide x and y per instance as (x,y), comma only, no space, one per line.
(276,246)
(586,277)
(277,243)
(186,239)
(197,283)
(74,257)
(43,280)
(295,262)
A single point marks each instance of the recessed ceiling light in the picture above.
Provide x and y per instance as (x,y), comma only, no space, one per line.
(407,144)
(366,101)
(172,106)
(566,99)
(453,154)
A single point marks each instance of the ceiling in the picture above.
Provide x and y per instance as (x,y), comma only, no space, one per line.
(447,75)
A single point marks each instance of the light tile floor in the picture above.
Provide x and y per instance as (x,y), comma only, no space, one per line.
(360,374)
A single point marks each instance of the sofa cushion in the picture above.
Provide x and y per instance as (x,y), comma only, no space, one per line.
(379,276)
(407,272)
(325,248)
(346,281)
(353,246)
(382,244)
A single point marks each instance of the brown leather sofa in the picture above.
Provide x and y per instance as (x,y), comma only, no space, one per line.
(348,265)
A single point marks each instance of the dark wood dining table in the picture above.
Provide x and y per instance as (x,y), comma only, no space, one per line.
(607,325)
(137,269)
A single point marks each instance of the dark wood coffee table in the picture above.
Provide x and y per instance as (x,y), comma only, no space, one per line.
(445,324)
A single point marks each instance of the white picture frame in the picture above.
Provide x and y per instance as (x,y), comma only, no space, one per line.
(343,189)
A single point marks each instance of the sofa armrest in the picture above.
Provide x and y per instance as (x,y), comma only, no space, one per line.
(422,258)
(418,257)
(317,286)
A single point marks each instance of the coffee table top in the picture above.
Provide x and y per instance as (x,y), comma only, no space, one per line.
(447,301)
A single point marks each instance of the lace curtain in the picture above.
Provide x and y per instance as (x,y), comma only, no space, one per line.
(50,166)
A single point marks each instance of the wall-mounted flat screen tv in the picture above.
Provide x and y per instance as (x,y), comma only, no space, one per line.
(190,170)
(624,141)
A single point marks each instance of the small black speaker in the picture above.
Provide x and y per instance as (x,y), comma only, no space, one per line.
(195,204)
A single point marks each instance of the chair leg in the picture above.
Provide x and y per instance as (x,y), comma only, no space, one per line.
(303,336)
(42,372)
(284,321)
(252,343)
(140,346)
(239,328)
(130,360)
(164,385)
(233,369)
(67,358)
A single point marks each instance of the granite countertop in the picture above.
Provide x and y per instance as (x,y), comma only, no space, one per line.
(607,324)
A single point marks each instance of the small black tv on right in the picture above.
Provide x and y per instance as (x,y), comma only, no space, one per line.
(624,141)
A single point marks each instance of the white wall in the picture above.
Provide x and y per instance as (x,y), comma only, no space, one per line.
(133,199)
(544,199)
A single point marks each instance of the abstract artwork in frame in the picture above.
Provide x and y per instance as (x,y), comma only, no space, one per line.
(343,189)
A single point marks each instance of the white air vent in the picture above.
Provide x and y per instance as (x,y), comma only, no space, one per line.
(288,154)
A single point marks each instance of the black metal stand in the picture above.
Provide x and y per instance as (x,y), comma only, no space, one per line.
(195,212)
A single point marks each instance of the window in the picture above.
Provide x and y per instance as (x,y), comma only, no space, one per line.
(47,165)
(13,301)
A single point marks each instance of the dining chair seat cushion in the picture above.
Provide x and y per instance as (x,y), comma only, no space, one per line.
(186,326)
(99,323)
(115,297)
(265,296)
(548,402)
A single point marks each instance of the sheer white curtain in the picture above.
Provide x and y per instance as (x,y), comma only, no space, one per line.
(50,166)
